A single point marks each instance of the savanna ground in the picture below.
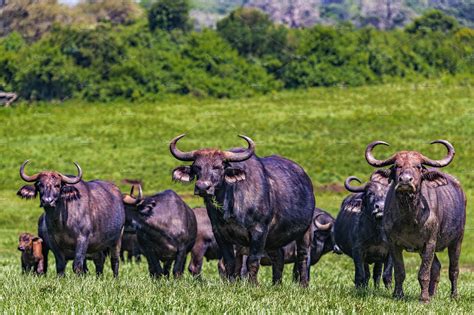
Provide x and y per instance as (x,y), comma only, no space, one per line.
(325,130)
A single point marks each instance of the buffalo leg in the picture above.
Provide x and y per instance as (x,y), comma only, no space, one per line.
(240,263)
(296,273)
(454,251)
(303,247)
(278,263)
(197,257)
(387,272)
(258,237)
(227,251)
(179,264)
(221,267)
(359,277)
(154,267)
(60,264)
(115,255)
(427,256)
(99,262)
(377,274)
(167,267)
(399,270)
(45,252)
(80,255)
(434,276)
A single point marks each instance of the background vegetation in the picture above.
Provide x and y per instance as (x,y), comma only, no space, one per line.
(110,50)
(325,130)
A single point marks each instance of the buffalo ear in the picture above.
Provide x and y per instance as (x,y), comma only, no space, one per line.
(434,178)
(70,193)
(27,192)
(233,174)
(183,174)
(145,208)
(382,176)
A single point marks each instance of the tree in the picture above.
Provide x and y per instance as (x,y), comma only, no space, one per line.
(31,18)
(113,11)
(433,21)
(252,33)
(169,15)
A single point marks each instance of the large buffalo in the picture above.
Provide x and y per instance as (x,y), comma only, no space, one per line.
(358,230)
(425,212)
(260,203)
(82,219)
(166,230)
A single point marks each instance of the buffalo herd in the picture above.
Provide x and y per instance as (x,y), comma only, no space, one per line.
(258,211)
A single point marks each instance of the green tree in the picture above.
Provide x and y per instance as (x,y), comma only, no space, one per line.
(433,21)
(169,15)
(252,33)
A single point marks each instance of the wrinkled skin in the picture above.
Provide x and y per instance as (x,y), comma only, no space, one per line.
(31,248)
(83,220)
(259,203)
(359,232)
(205,245)
(425,212)
(130,245)
(166,231)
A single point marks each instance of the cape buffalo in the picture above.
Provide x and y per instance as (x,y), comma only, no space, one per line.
(205,245)
(130,245)
(358,230)
(166,230)
(260,203)
(425,212)
(83,219)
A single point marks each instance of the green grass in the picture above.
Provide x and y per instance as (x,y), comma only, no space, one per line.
(325,130)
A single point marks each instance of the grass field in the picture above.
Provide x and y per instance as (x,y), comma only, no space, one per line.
(325,130)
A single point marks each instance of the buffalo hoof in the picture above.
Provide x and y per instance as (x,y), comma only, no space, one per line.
(454,296)
(398,295)
(424,299)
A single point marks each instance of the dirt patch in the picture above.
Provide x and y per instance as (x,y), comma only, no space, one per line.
(331,188)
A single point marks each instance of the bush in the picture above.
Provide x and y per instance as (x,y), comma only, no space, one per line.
(169,15)
(46,74)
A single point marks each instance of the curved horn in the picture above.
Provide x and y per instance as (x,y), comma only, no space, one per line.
(372,160)
(445,161)
(354,189)
(320,226)
(25,177)
(72,180)
(130,199)
(183,156)
(241,156)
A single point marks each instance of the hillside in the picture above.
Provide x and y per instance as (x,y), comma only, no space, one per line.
(385,14)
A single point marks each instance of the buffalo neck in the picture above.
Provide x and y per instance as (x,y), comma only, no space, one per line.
(409,205)
(221,203)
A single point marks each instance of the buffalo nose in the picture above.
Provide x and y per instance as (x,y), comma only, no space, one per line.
(203,185)
(405,178)
(378,206)
(20,248)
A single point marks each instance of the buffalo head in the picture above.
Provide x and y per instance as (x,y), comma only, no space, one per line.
(50,185)
(26,241)
(408,168)
(373,192)
(210,167)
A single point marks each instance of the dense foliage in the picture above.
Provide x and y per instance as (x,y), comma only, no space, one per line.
(246,55)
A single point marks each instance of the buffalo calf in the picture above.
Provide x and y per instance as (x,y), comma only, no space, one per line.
(31,253)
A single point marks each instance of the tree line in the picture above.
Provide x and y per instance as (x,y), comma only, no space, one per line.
(116,53)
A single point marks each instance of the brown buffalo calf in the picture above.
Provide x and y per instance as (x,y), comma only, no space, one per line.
(31,248)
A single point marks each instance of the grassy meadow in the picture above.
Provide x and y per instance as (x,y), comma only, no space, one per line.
(324,130)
